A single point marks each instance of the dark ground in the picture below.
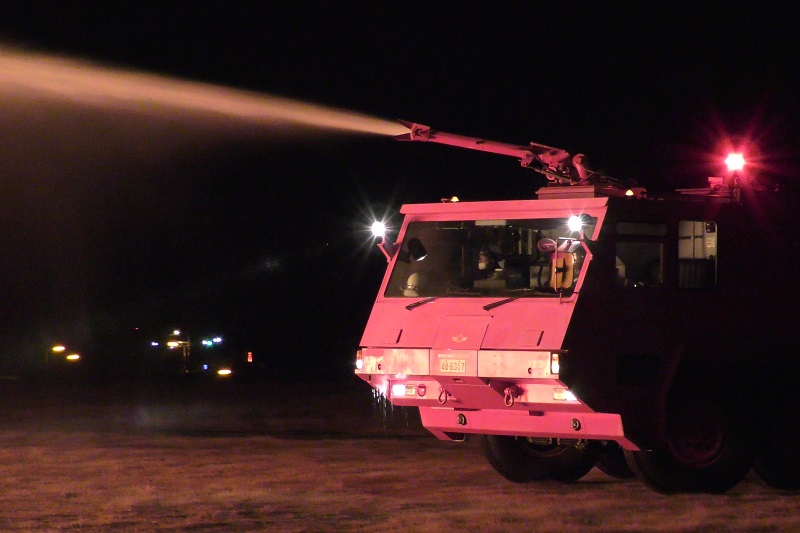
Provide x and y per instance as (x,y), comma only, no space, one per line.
(258,456)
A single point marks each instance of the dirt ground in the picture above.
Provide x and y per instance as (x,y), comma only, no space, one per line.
(218,456)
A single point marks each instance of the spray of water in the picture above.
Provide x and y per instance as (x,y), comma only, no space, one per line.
(88,84)
(385,412)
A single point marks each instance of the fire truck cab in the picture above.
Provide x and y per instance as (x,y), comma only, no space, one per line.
(597,326)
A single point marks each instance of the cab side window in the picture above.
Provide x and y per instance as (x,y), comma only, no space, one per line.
(640,254)
(697,254)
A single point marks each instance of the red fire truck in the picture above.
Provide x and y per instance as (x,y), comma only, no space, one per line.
(598,325)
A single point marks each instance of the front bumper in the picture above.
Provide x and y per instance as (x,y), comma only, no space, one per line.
(500,393)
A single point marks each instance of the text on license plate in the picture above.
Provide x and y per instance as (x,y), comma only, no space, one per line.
(458,366)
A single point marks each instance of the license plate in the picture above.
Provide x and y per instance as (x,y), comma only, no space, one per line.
(453,366)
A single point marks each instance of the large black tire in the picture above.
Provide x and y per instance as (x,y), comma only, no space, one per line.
(708,447)
(520,460)
(611,461)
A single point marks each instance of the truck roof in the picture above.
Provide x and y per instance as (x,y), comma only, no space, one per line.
(507,207)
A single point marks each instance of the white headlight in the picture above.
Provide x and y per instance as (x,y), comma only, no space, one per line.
(378,229)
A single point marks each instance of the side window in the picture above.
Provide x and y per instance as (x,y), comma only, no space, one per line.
(697,254)
(640,254)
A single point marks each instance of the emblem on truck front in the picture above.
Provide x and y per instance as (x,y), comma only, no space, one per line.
(460,338)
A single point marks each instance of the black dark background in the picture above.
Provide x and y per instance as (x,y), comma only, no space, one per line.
(117,226)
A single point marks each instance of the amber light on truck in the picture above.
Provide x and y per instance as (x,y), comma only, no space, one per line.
(554,366)
(564,395)
(359,361)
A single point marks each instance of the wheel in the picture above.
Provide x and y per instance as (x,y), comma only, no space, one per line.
(707,448)
(611,461)
(522,460)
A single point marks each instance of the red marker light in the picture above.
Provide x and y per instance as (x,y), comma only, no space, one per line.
(249,357)
(734,162)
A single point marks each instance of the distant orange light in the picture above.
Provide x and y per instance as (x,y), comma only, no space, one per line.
(73,357)
(735,161)
(59,348)
(249,357)
(224,372)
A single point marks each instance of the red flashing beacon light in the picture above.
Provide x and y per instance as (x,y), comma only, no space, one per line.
(733,180)
(734,161)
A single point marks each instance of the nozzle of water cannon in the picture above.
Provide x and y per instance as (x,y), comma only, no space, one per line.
(404,136)
(417,131)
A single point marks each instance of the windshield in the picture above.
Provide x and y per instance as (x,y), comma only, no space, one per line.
(493,258)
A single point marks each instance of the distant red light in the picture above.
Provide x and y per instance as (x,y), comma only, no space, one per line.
(249,357)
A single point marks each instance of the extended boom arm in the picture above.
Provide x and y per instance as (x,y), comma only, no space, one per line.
(556,163)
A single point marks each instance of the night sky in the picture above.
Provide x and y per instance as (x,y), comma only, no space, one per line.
(113,219)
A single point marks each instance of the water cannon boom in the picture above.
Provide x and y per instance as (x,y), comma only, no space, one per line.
(554,163)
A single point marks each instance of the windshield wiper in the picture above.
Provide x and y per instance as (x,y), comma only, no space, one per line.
(489,307)
(421,302)
(521,293)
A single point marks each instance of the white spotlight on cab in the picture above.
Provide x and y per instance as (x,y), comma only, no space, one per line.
(378,229)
